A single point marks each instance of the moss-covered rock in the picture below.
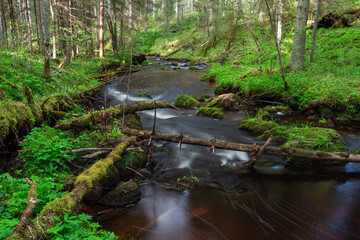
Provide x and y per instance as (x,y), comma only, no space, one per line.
(280,133)
(258,125)
(110,181)
(124,194)
(213,112)
(133,159)
(357,151)
(133,121)
(227,101)
(186,101)
(316,138)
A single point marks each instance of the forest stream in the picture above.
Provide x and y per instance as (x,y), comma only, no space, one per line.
(270,201)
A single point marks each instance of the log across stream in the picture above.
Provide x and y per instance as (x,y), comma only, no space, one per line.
(231,202)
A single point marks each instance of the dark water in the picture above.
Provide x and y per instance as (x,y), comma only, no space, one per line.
(272,202)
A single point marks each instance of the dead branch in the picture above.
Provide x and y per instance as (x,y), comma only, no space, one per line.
(88,149)
(95,154)
(279,151)
(256,153)
(25,218)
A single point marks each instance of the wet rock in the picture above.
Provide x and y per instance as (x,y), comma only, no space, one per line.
(324,122)
(193,68)
(124,194)
(228,101)
(139,59)
(186,101)
(145,172)
(212,112)
(174,64)
(112,179)
(313,118)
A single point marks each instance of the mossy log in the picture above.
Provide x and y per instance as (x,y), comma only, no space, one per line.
(83,184)
(18,117)
(279,151)
(86,120)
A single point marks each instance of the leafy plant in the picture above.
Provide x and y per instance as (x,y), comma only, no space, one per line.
(78,227)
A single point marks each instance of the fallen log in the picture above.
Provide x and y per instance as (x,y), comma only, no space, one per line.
(85,121)
(279,151)
(67,204)
(25,218)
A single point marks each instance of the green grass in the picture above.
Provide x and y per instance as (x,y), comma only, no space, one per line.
(23,69)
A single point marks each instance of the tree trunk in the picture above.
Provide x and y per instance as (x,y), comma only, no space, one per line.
(286,87)
(37,27)
(67,21)
(146,17)
(101,30)
(47,39)
(85,121)
(28,19)
(278,151)
(233,26)
(13,23)
(280,23)
(40,25)
(3,33)
(313,39)
(52,10)
(298,52)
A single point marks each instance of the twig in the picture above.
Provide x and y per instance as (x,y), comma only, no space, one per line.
(89,149)
(136,172)
(256,153)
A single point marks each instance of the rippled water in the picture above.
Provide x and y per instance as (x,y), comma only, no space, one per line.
(272,202)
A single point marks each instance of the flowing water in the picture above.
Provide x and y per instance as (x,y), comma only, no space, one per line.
(272,201)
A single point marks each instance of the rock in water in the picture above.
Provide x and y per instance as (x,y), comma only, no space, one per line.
(124,194)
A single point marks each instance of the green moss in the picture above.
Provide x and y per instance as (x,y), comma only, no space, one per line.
(210,112)
(215,104)
(145,95)
(316,138)
(280,133)
(357,151)
(133,121)
(95,173)
(186,101)
(257,125)
(58,207)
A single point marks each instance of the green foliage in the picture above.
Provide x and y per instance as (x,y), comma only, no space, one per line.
(187,182)
(45,151)
(23,69)
(78,227)
(13,198)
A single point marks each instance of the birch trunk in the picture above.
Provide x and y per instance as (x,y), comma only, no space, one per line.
(101,30)
(46,39)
